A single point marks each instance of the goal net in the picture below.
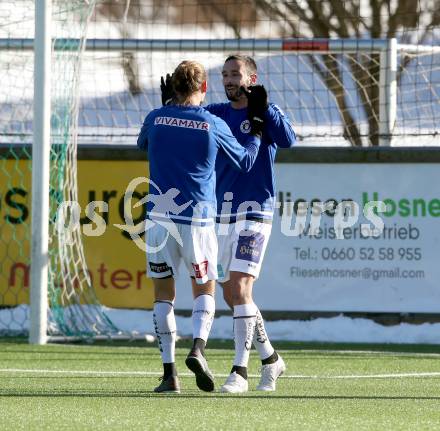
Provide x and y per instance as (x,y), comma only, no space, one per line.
(73,307)
(336,92)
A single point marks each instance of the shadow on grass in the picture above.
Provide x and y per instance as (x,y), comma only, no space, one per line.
(200,395)
(227,344)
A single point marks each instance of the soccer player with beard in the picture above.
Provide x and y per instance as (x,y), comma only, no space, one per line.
(245,212)
(244,215)
(183,141)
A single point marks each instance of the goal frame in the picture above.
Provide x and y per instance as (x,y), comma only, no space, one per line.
(40,174)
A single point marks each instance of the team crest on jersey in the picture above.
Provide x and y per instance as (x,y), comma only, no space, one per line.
(245,126)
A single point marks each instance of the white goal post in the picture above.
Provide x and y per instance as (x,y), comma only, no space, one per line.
(40,174)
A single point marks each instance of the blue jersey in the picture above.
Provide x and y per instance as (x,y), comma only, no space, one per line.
(258,185)
(182,144)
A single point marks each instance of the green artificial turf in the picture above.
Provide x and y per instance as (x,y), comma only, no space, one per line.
(326,387)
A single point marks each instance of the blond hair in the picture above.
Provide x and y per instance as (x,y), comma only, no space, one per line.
(188,78)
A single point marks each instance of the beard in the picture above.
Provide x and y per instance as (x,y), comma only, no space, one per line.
(233,94)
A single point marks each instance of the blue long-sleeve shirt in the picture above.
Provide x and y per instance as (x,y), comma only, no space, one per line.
(183,143)
(258,185)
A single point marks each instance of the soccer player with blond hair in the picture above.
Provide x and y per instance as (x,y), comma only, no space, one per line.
(183,141)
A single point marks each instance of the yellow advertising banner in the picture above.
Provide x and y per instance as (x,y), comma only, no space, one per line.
(115,263)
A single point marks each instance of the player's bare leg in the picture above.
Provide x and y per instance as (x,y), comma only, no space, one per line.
(165,327)
(202,317)
(239,290)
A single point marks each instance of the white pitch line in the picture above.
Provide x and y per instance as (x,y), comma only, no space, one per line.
(94,373)
(155,373)
(380,376)
(365,352)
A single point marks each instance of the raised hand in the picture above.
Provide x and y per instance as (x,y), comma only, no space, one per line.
(166,89)
(257,106)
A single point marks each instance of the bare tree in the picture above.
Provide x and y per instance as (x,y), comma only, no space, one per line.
(410,20)
(237,15)
(120,13)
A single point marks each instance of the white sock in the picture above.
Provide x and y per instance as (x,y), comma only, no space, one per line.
(202,316)
(244,327)
(165,327)
(261,340)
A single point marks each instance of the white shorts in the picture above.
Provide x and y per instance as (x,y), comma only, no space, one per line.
(197,249)
(242,248)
